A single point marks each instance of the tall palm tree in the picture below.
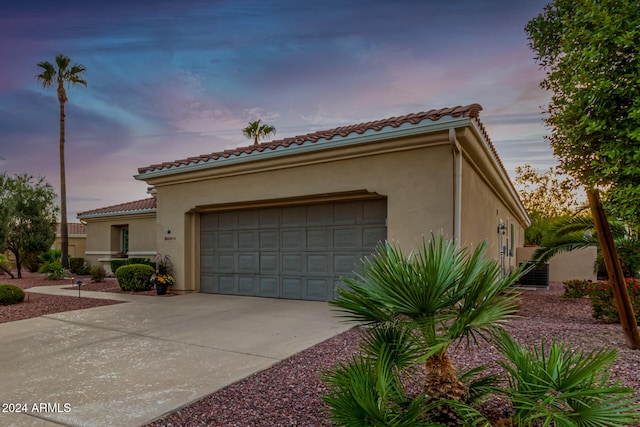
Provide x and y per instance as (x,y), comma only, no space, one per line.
(439,295)
(257,130)
(58,75)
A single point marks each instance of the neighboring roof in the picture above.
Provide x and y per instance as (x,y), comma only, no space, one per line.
(73,228)
(468,111)
(139,206)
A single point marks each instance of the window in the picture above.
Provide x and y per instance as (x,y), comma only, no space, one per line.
(124,240)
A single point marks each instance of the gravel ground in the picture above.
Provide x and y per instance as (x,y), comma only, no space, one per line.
(35,305)
(288,394)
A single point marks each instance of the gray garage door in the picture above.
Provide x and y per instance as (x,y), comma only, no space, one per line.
(296,252)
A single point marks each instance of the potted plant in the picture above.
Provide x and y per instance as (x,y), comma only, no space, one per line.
(164,274)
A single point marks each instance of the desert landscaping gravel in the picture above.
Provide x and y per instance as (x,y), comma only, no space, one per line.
(289,393)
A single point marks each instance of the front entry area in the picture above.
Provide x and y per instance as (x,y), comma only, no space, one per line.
(294,252)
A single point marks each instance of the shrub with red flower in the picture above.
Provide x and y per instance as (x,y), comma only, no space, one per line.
(603,306)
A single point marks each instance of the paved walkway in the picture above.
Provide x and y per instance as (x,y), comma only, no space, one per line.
(127,364)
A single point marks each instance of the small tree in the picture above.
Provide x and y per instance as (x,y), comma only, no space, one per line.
(591,52)
(546,194)
(257,130)
(28,204)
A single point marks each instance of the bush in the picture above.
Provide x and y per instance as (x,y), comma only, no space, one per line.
(135,277)
(557,385)
(77,265)
(98,273)
(53,270)
(117,263)
(603,305)
(10,294)
(576,288)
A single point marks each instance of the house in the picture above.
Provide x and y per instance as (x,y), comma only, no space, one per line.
(77,233)
(290,217)
(120,231)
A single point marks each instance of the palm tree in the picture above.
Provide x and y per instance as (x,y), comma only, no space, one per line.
(437,297)
(257,130)
(566,234)
(59,75)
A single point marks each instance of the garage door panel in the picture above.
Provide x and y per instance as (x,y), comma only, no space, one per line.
(269,263)
(292,287)
(319,239)
(269,217)
(346,213)
(268,286)
(209,222)
(344,264)
(246,285)
(319,264)
(293,216)
(320,214)
(248,219)
(227,284)
(293,239)
(293,263)
(227,240)
(228,221)
(248,263)
(226,262)
(318,289)
(347,238)
(269,240)
(374,211)
(209,283)
(248,240)
(372,235)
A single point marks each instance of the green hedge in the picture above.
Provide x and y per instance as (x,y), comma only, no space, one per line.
(135,277)
(10,294)
(117,263)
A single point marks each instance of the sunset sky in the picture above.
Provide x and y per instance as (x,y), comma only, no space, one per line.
(172,79)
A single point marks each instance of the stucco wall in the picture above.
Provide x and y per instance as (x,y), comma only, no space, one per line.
(77,245)
(417,184)
(103,237)
(481,213)
(576,264)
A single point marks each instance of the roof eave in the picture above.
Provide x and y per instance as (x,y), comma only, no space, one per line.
(404,130)
(112,214)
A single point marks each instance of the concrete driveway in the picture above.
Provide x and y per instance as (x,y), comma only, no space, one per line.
(128,364)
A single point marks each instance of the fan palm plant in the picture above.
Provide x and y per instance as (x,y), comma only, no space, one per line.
(257,130)
(438,296)
(578,232)
(560,386)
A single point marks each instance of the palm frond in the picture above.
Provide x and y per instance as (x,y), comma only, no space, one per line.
(560,386)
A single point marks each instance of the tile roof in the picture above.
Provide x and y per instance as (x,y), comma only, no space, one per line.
(73,228)
(123,208)
(471,111)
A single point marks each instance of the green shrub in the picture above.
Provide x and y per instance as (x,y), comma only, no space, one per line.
(117,263)
(10,294)
(98,273)
(53,270)
(558,385)
(77,265)
(135,277)
(603,306)
(576,288)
